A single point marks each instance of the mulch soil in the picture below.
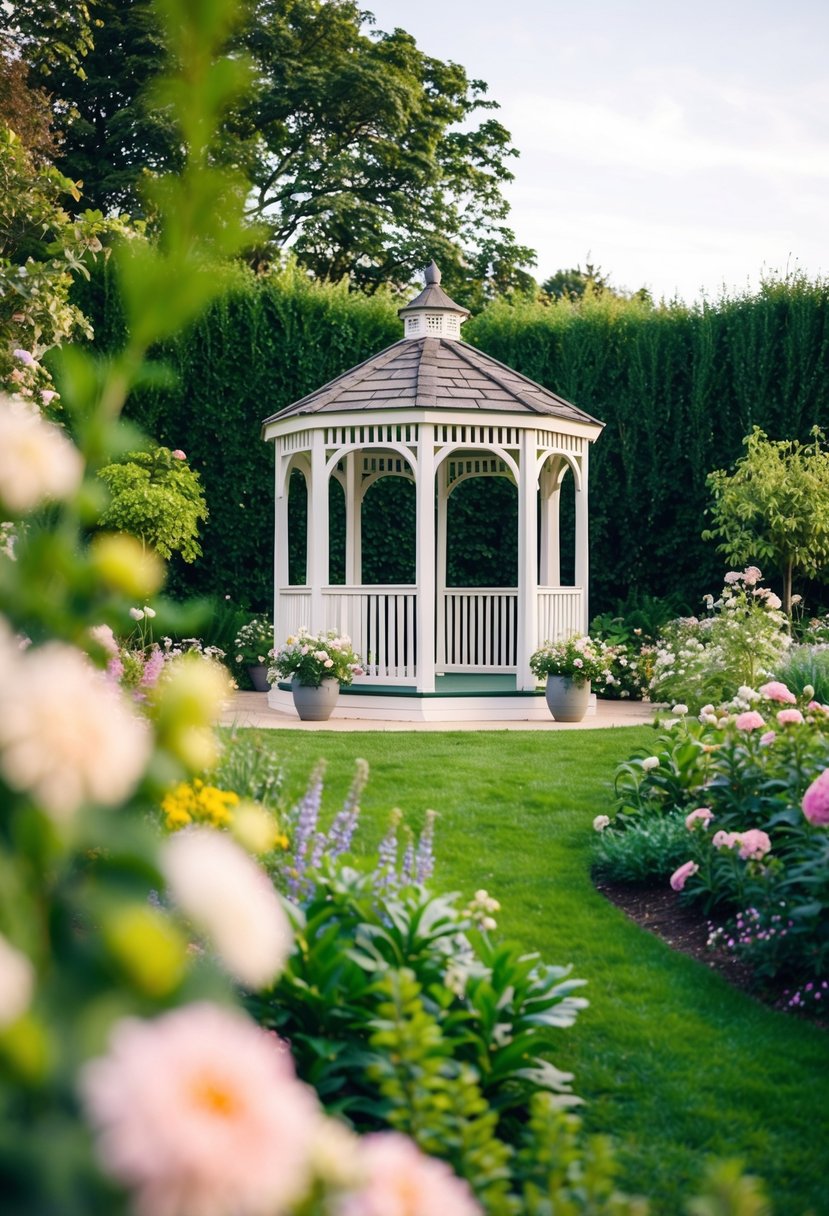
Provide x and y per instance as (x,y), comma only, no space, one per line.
(658,910)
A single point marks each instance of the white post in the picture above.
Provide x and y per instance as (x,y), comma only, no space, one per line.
(582,553)
(440,598)
(425,576)
(280,566)
(353,518)
(318,542)
(549,574)
(527,561)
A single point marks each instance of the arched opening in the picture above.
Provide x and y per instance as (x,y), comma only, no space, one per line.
(389,545)
(567,529)
(482,524)
(297,528)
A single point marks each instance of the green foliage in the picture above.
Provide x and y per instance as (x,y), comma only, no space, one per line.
(157,497)
(806,666)
(581,659)
(774,506)
(648,850)
(402,1014)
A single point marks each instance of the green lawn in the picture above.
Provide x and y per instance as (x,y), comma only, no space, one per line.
(669,1059)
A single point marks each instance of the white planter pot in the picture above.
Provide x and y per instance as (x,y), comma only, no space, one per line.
(566,700)
(315,704)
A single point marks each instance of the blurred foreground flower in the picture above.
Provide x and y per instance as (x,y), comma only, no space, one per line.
(229,898)
(38,463)
(17,981)
(66,736)
(402,1181)
(199,1113)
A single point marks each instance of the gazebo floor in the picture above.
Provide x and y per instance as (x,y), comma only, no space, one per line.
(458,697)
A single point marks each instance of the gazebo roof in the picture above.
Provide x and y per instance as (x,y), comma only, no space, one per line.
(434,373)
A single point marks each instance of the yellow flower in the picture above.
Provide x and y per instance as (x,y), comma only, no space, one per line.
(195,802)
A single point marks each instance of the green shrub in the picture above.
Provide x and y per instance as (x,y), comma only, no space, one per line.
(806,666)
(647,851)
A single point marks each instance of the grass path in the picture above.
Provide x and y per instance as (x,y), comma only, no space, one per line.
(671,1061)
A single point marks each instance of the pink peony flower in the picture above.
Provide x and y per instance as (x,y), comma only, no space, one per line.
(702,814)
(724,840)
(770,736)
(754,844)
(776,691)
(25,357)
(177,454)
(403,1181)
(199,1111)
(751,575)
(750,720)
(786,716)
(681,876)
(816,801)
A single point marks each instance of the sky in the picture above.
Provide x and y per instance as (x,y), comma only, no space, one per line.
(682,147)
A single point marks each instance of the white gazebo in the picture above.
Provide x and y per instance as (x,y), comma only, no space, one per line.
(437,411)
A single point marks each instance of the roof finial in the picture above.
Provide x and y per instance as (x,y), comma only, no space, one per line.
(432,274)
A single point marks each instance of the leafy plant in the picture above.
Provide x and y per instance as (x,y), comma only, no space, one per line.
(157,497)
(582,659)
(311,658)
(806,666)
(648,850)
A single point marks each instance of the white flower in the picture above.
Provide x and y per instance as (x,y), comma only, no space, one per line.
(137,614)
(17,982)
(679,710)
(230,899)
(601,822)
(37,461)
(773,601)
(66,736)
(650,762)
(149,612)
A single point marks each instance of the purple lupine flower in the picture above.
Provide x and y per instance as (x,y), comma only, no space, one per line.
(345,822)
(318,850)
(407,869)
(385,874)
(425,854)
(306,815)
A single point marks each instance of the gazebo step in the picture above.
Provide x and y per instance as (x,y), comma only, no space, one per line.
(392,703)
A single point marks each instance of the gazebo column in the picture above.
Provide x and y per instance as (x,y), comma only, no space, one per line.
(527,561)
(280,567)
(582,551)
(425,576)
(353,519)
(443,529)
(549,574)
(318,540)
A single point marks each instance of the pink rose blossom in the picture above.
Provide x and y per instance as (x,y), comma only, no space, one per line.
(754,844)
(816,801)
(199,1111)
(786,716)
(177,454)
(681,876)
(702,814)
(750,720)
(733,576)
(751,575)
(403,1181)
(777,691)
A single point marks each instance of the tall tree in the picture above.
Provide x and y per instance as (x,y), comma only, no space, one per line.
(362,152)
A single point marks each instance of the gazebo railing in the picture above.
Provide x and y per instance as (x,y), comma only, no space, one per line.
(560,613)
(478,629)
(382,624)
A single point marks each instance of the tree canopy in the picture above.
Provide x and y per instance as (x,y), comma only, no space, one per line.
(364,155)
(775,506)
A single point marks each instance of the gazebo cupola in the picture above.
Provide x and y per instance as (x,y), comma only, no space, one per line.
(432,314)
(435,411)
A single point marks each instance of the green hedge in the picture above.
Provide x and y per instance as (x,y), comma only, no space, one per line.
(677,387)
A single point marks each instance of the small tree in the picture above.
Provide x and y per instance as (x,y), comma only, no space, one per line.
(774,507)
(157,497)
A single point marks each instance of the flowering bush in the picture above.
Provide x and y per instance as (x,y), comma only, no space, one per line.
(580,658)
(254,642)
(738,642)
(748,782)
(311,658)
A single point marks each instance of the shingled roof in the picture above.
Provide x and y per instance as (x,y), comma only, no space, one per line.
(434,373)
